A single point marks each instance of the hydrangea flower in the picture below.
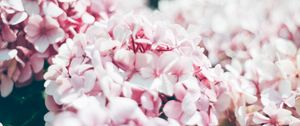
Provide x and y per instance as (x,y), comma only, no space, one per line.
(200,62)
(32,31)
(43,31)
(129,56)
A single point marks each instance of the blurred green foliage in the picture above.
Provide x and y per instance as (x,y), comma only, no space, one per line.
(24,107)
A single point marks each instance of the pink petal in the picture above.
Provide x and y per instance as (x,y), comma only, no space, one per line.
(179,91)
(53,72)
(37,63)
(147,72)
(188,104)
(124,59)
(25,74)
(142,60)
(50,22)
(32,30)
(50,104)
(55,35)
(8,34)
(167,60)
(6,86)
(147,102)
(164,84)
(172,109)
(35,20)
(41,44)
(223,102)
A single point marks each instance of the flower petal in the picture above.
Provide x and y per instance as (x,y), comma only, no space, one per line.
(25,74)
(259,118)
(285,46)
(16,4)
(37,63)
(55,35)
(18,18)
(6,54)
(51,9)
(8,34)
(41,44)
(286,67)
(6,86)
(172,109)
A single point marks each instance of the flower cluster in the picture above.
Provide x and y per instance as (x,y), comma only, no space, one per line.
(116,62)
(32,31)
(155,64)
(258,48)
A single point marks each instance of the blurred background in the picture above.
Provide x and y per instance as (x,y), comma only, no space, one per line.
(25,106)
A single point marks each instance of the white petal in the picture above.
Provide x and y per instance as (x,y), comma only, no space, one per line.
(138,81)
(259,118)
(18,18)
(7,54)
(286,67)
(298,59)
(31,7)
(51,9)
(285,88)
(121,33)
(6,86)
(16,4)
(66,1)
(285,46)
(87,18)
(90,79)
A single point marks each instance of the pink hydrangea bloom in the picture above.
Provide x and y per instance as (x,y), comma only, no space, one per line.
(46,25)
(43,31)
(131,57)
(91,110)
(200,62)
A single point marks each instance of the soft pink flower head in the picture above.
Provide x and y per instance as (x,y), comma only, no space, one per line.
(42,32)
(148,63)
